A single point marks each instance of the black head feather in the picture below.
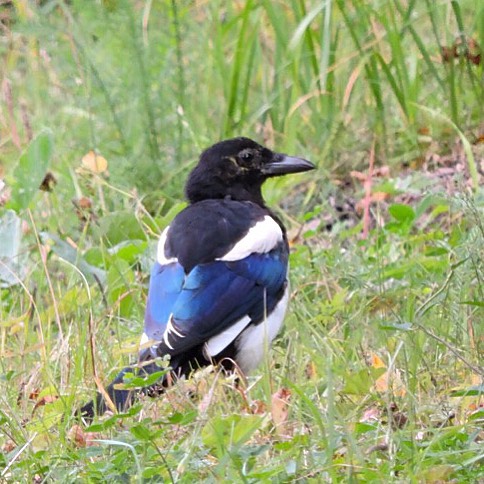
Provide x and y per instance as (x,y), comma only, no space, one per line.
(236,168)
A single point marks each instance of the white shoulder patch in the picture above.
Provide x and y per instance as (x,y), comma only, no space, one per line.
(219,342)
(261,238)
(160,254)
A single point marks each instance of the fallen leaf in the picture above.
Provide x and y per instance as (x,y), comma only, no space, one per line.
(34,394)
(84,203)
(280,409)
(379,196)
(391,382)
(311,372)
(376,361)
(387,381)
(8,446)
(473,52)
(397,419)
(425,130)
(81,438)
(83,208)
(464,48)
(372,414)
(374,197)
(448,53)
(44,401)
(258,407)
(437,474)
(381,171)
(358,175)
(382,447)
(93,162)
(48,183)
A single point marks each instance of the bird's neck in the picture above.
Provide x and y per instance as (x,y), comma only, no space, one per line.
(239,192)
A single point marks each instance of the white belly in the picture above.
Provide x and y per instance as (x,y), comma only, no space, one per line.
(254,341)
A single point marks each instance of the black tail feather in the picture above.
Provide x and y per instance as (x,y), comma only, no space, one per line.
(180,365)
(122,399)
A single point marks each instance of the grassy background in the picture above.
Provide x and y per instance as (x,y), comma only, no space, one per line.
(377,376)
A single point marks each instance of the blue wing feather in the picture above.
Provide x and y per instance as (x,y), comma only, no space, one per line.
(208,297)
(212,297)
(166,284)
(268,269)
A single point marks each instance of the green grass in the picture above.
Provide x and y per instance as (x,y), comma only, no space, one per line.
(393,319)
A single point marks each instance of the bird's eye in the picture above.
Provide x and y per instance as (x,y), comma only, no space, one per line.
(246,155)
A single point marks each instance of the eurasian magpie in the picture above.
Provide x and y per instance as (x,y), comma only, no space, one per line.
(218,289)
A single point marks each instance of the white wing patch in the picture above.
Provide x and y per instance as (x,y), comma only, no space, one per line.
(160,254)
(170,329)
(255,340)
(261,238)
(219,342)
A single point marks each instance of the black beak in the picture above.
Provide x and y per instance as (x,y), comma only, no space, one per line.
(283,165)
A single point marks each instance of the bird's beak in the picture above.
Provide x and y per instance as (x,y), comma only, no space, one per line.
(283,165)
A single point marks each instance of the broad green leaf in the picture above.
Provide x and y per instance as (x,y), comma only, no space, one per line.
(234,430)
(141,432)
(363,427)
(129,250)
(360,383)
(141,381)
(179,418)
(95,256)
(151,474)
(118,227)
(402,213)
(30,171)
(68,253)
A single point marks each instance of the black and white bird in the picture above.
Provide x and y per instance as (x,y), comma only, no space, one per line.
(218,290)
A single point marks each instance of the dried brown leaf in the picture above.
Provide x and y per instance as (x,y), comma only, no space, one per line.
(280,408)
(258,407)
(48,183)
(81,438)
(372,414)
(44,401)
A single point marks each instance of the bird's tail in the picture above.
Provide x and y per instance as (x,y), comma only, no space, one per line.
(121,398)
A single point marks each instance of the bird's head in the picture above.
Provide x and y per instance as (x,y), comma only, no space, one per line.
(236,168)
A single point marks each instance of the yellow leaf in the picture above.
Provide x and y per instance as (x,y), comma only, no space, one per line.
(381,384)
(94,162)
(376,361)
(16,328)
(393,382)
